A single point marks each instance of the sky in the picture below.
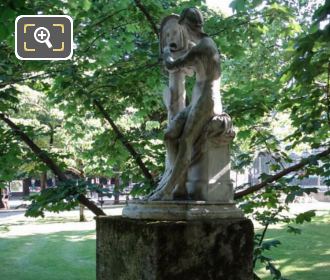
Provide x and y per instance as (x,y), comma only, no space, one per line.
(223,5)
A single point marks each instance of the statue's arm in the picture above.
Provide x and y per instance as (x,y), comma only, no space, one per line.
(182,61)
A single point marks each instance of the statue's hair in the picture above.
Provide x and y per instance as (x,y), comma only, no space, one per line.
(194,19)
(162,35)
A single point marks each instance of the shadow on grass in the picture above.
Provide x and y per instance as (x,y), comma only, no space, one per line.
(303,256)
(62,255)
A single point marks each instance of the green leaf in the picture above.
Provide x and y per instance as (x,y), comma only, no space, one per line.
(238,5)
(244,134)
(86,5)
(305,217)
(267,245)
(299,192)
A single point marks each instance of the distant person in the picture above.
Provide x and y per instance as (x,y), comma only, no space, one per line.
(5,198)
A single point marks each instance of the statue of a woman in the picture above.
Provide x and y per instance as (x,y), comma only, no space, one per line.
(204,59)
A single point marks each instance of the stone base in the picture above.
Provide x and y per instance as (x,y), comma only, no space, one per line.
(130,249)
(181,210)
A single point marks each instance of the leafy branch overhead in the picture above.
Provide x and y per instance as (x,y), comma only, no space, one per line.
(43,156)
(102,112)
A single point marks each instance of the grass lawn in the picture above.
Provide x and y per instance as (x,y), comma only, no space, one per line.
(62,248)
(304,256)
(67,254)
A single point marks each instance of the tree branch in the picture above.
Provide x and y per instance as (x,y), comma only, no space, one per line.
(43,156)
(124,141)
(281,174)
(37,151)
(107,17)
(14,81)
(224,29)
(147,15)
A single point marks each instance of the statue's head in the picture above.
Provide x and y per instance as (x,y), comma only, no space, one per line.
(172,34)
(193,18)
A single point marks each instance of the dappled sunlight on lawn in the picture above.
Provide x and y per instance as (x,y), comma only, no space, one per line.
(78,238)
(302,256)
(32,229)
(56,247)
(322,209)
(60,255)
(19,225)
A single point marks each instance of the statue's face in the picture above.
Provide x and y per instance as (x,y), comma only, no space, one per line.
(173,36)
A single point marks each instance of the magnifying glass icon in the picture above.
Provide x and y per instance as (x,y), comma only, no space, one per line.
(41,35)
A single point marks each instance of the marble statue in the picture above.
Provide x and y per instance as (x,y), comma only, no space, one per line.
(196,182)
(187,48)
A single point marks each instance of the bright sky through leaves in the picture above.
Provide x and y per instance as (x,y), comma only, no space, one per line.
(222,5)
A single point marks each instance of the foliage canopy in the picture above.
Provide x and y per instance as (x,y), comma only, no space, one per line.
(102,112)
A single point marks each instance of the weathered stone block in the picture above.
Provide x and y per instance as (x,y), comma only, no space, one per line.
(208,178)
(130,249)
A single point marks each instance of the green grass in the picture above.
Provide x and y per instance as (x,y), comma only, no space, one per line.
(68,255)
(304,256)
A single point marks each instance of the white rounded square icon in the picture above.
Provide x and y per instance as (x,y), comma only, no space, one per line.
(40,37)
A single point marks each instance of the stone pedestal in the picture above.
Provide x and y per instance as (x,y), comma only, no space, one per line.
(181,210)
(129,249)
(208,178)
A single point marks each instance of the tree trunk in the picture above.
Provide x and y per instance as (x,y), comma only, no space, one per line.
(82,217)
(116,190)
(26,186)
(43,181)
(1,204)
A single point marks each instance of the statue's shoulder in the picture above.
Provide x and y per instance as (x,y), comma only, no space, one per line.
(209,40)
(208,44)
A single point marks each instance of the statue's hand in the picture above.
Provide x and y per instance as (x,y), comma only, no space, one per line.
(168,59)
(191,44)
(169,63)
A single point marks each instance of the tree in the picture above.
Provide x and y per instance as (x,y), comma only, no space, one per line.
(102,111)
